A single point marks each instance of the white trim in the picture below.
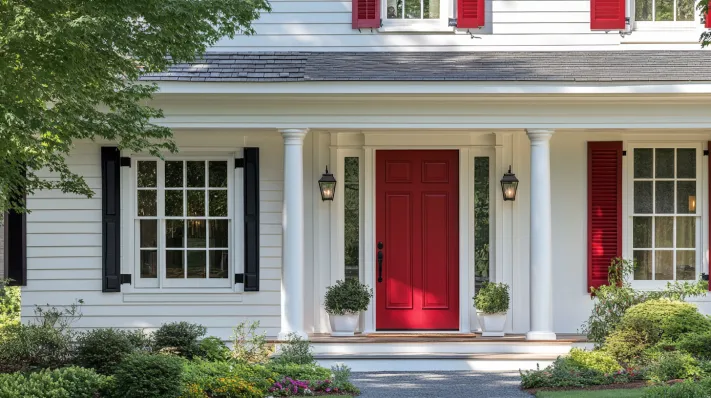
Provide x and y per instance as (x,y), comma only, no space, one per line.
(438,87)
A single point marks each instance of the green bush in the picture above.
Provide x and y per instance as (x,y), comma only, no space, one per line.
(686,389)
(347,297)
(628,346)
(299,372)
(181,338)
(492,298)
(209,377)
(213,349)
(104,349)
(566,373)
(9,305)
(149,375)
(295,350)
(599,360)
(673,365)
(673,318)
(250,346)
(696,344)
(71,382)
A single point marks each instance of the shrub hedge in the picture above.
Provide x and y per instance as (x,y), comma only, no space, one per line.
(149,375)
(71,382)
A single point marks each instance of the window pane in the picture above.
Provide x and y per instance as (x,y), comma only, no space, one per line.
(197,233)
(174,233)
(146,174)
(431,9)
(149,233)
(174,203)
(643,197)
(642,232)
(174,264)
(412,9)
(643,163)
(664,10)
(196,203)
(149,264)
(664,162)
(481,221)
(147,203)
(351,227)
(196,174)
(394,9)
(663,231)
(686,197)
(664,197)
(643,10)
(218,203)
(219,235)
(197,264)
(218,174)
(643,259)
(174,174)
(663,264)
(685,265)
(686,162)
(686,232)
(219,263)
(685,10)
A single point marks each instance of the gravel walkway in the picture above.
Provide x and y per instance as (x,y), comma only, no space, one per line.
(439,384)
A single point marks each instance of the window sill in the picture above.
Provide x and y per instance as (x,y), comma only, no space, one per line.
(182,296)
(415,27)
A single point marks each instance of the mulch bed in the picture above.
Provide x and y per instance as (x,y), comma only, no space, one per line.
(618,386)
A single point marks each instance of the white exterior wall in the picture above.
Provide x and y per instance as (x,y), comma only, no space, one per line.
(518,25)
(64,251)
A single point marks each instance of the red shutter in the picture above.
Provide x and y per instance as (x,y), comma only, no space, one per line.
(366,14)
(707,21)
(607,14)
(470,13)
(708,252)
(604,208)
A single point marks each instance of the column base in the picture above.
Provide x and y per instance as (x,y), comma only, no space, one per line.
(540,335)
(285,335)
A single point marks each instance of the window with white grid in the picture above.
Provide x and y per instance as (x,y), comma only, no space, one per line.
(665,215)
(184,217)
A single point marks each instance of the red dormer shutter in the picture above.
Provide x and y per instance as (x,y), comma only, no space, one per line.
(707,22)
(366,14)
(470,13)
(604,209)
(607,14)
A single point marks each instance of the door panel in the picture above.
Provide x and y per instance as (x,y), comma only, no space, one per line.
(417,220)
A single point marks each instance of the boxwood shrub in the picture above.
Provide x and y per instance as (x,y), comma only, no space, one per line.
(71,382)
(149,375)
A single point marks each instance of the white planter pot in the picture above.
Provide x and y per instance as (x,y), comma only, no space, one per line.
(343,325)
(492,325)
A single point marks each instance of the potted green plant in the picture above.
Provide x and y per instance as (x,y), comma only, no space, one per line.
(344,302)
(492,303)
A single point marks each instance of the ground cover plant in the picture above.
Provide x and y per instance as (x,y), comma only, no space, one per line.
(642,339)
(47,358)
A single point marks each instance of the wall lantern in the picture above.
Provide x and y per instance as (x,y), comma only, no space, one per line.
(509,184)
(692,204)
(327,185)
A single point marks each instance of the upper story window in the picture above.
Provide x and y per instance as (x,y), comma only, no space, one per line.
(664,10)
(413,9)
(665,216)
(184,217)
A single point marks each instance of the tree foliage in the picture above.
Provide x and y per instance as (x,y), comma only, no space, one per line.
(69,71)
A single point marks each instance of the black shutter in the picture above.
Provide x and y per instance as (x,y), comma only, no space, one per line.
(251,219)
(111,218)
(16,243)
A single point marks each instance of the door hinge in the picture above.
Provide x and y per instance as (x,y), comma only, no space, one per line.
(239,278)
(125,162)
(125,278)
(239,163)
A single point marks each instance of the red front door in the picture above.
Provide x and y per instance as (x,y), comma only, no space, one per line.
(417,233)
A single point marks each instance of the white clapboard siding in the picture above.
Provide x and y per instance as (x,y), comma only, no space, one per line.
(64,262)
(517,17)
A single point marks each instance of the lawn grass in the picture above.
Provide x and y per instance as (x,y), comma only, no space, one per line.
(624,393)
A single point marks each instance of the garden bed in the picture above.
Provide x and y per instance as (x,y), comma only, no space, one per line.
(618,386)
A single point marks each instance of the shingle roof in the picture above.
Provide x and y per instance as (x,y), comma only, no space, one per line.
(607,66)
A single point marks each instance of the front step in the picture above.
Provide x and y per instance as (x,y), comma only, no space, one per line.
(415,362)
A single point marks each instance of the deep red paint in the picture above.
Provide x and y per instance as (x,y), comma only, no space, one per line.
(607,14)
(470,13)
(365,13)
(707,20)
(604,209)
(417,219)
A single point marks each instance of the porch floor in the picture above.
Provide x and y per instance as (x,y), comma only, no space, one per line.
(407,337)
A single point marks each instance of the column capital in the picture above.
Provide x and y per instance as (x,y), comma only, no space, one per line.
(539,134)
(293,136)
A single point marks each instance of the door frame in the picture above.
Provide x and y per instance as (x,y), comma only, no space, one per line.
(466,224)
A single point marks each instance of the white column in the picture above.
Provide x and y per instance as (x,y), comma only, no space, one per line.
(292,267)
(541,240)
